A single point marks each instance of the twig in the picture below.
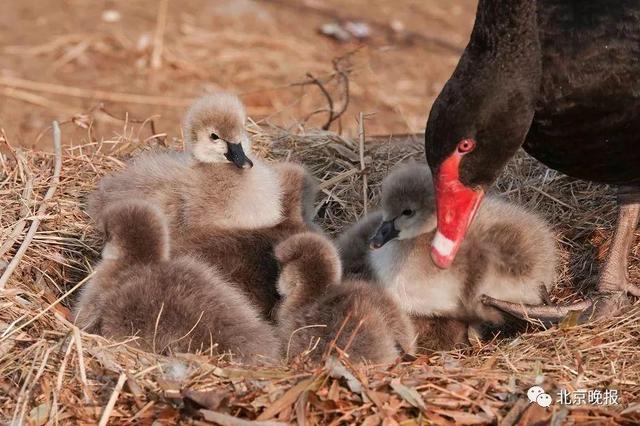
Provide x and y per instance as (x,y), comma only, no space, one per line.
(155,328)
(158,39)
(29,391)
(173,342)
(159,137)
(341,75)
(344,76)
(41,101)
(57,149)
(353,336)
(24,212)
(327,95)
(78,92)
(74,52)
(106,413)
(53,413)
(551,197)
(326,184)
(81,366)
(48,47)
(300,329)
(23,389)
(333,344)
(143,410)
(365,186)
(8,332)
(5,141)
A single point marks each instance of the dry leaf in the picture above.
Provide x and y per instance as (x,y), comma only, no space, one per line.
(105,358)
(534,415)
(135,389)
(338,371)
(334,391)
(570,320)
(373,420)
(464,418)
(389,421)
(64,311)
(286,400)
(39,415)
(410,395)
(211,400)
(447,402)
(632,408)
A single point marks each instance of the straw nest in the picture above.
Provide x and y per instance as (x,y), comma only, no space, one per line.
(52,372)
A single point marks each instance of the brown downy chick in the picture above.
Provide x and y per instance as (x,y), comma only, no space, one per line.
(509,253)
(439,333)
(318,307)
(246,257)
(169,304)
(216,182)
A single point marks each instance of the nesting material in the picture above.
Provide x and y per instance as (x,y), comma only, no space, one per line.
(51,371)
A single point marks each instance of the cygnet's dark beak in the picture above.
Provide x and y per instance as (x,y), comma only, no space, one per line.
(385,233)
(236,155)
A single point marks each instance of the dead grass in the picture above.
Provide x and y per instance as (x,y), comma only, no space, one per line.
(51,372)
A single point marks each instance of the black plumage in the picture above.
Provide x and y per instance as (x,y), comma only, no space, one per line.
(587,119)
(559,78)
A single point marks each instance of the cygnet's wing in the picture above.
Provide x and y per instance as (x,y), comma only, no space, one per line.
(154,177)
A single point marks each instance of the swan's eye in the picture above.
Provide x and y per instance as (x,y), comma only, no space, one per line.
(407,212)
(214,137)
(466,145)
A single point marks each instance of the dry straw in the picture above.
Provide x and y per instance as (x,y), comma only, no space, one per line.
(52,373)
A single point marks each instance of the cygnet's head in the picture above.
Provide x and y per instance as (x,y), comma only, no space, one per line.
(214,130)
(408,205)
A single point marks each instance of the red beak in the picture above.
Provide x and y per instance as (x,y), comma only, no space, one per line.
(456,206)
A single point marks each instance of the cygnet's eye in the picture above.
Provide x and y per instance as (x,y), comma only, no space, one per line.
(214,137)
(407,212)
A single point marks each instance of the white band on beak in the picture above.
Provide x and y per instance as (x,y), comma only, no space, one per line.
(442,244)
